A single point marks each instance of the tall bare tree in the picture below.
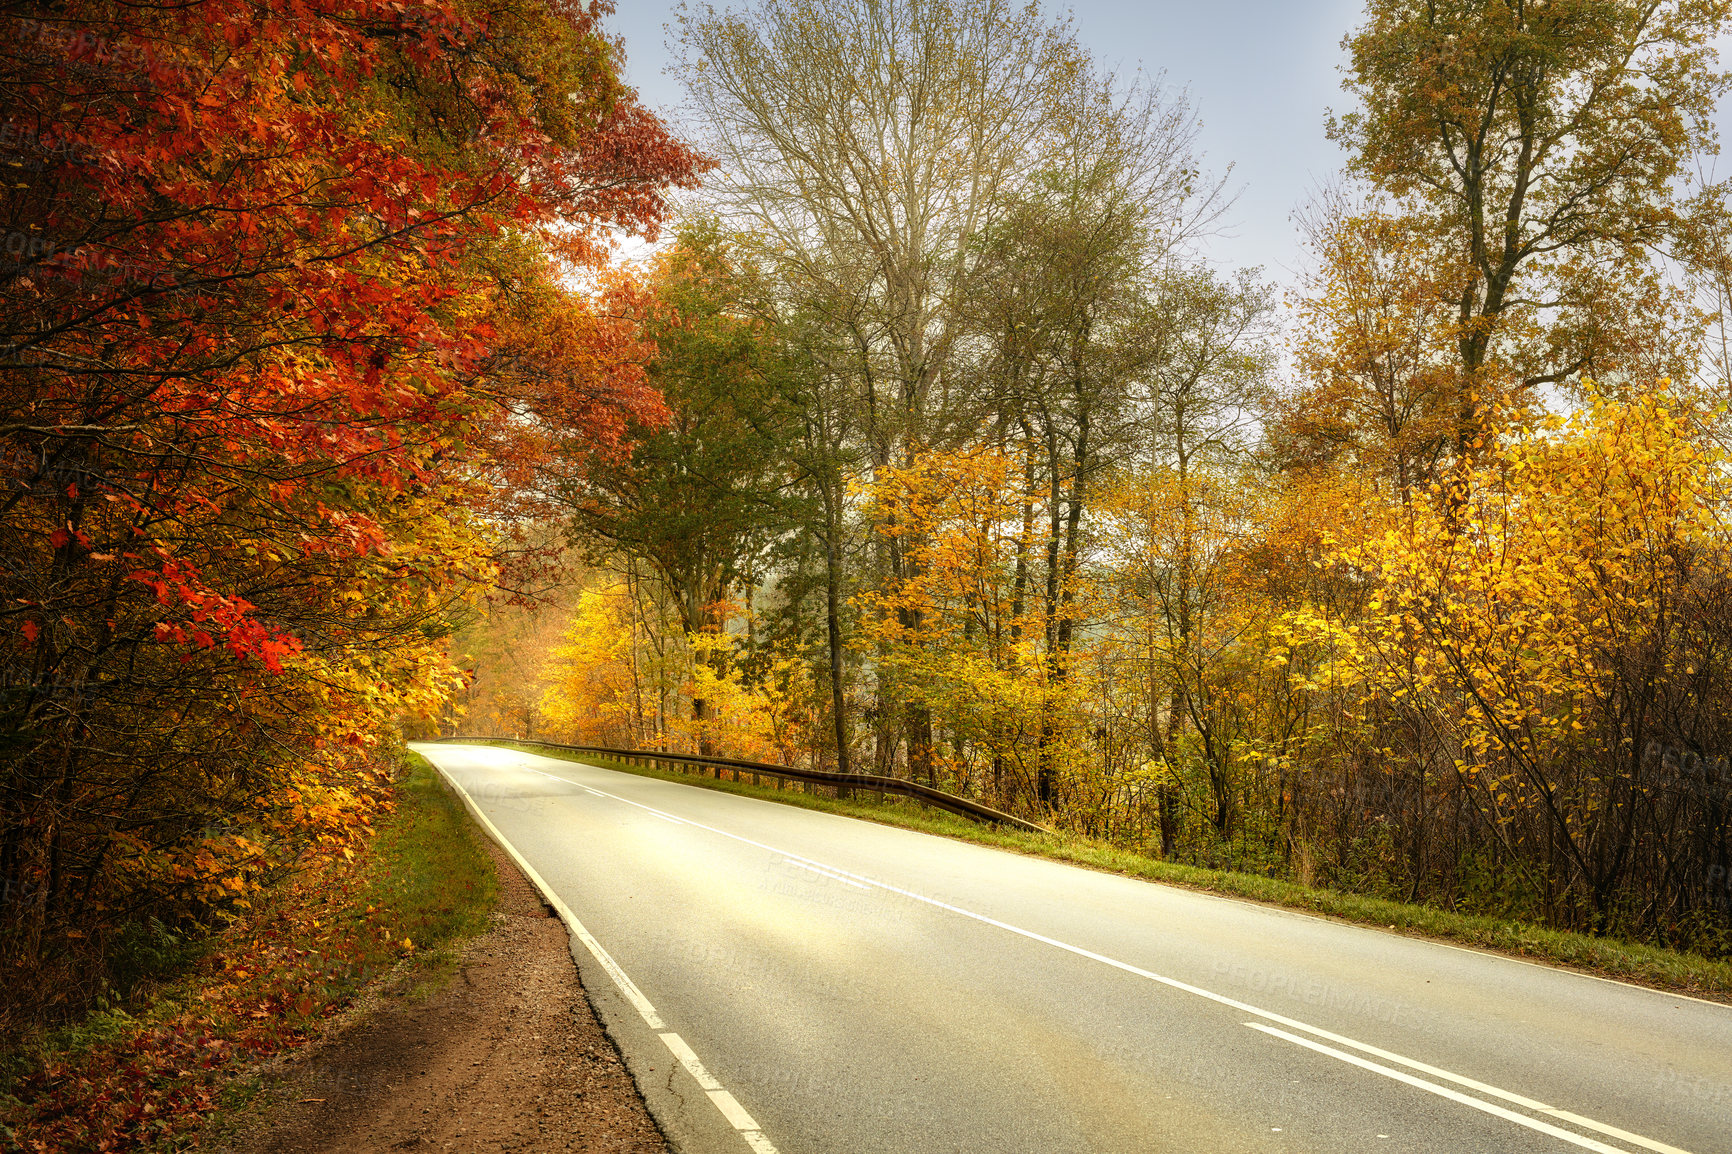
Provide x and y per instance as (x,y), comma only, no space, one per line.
(867,145)
(1062,305)
(881,153)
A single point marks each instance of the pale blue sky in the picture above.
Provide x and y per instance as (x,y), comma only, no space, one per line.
(1261,74)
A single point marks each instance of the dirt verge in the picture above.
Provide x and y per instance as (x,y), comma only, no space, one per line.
(506,1054)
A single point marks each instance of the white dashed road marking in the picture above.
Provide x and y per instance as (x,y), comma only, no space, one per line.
(835,877)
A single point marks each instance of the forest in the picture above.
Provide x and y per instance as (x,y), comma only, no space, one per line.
(925,439)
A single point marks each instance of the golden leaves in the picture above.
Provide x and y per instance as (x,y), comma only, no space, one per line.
(1564,546)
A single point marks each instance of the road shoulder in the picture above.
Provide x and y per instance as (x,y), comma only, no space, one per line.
(506,1053)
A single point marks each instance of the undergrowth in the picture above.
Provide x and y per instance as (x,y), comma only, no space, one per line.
(143,1076)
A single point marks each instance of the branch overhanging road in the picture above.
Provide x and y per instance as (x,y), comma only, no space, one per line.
(792,981)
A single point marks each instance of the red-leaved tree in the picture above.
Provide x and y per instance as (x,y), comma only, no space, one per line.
(280,294)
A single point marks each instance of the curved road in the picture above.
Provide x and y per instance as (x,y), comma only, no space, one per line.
(784,980)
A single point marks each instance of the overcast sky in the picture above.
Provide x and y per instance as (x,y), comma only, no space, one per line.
(1262,75)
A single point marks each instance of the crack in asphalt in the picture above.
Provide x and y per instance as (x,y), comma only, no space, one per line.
(671,1072)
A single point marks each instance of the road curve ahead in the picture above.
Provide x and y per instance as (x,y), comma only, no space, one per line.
(783,980)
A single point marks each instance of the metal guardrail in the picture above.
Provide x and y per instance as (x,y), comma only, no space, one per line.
(655,759)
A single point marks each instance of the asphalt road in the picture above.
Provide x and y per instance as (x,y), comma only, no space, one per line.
(783,980)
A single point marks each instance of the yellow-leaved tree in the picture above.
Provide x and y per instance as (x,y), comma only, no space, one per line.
(628,675)
(1191,629)
(611,681)
(1554,635)
(964,633)
(768,713)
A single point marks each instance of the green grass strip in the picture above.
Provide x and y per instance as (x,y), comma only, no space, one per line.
(1654,966)
(429,870)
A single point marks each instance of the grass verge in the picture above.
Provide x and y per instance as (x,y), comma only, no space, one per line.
(1646,965)
(147,1076)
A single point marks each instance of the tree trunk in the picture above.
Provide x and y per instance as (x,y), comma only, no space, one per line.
(920,760)
(700,714)
(833,630)
(1166,800)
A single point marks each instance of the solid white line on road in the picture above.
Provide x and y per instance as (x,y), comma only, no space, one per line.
(723,1101)
(693,1067)
(836,877)
(1443,1091)
(1174,983)
(627,987)
(732,1110)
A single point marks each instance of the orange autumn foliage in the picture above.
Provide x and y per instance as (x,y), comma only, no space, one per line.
(286,306)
